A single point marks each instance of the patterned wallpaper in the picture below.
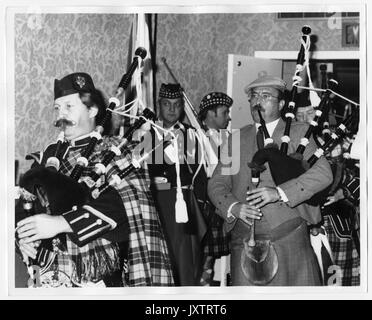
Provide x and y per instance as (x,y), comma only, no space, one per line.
(195,46)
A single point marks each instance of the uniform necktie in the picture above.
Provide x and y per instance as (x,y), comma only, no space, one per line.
(260,138)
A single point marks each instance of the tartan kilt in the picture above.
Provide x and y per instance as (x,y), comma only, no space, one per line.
(345,255)
(217,240)
(148,257)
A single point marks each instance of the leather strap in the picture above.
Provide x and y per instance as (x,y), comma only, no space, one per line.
(281,231)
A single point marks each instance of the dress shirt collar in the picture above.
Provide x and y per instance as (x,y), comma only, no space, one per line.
(177,125)
(270,126)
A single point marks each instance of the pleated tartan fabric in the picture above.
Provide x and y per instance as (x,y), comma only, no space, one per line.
(345,255)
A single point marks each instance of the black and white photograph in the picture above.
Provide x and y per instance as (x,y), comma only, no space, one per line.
(200,150)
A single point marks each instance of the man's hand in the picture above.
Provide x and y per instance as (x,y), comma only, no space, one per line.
(262,196)
(41,226)
(28,250)
(246,212)
(339,195)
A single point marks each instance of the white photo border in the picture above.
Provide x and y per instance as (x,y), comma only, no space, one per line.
(170,293)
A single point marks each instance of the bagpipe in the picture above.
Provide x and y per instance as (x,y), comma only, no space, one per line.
(346,173)
(285,167)
(271,153)
(340,204)
(259,259)
(64,195)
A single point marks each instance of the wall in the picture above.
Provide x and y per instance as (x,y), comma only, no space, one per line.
(198,45)
(195,46)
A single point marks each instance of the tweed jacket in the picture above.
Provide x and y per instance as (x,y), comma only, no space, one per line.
(232,177)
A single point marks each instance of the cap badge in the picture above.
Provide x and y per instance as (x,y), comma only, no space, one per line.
(80,81)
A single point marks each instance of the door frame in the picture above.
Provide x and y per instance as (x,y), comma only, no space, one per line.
(316,55)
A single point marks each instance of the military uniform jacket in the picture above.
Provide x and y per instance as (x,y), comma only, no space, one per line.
(160,165)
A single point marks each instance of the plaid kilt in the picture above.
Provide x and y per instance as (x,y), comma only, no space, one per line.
(345,255)
(148,259)
(90,263)
(216,241)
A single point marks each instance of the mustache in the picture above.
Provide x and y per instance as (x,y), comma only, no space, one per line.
(63,122)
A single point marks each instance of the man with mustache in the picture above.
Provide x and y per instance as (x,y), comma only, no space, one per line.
(114,240)
(279,212)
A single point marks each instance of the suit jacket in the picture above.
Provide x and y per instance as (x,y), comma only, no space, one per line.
(229,185)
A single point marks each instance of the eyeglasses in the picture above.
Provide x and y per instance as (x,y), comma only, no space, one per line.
(254,96)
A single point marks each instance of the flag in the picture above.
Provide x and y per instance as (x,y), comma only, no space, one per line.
(141,87)
(210,159)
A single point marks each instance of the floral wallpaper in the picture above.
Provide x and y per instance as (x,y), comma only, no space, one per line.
(196,46)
